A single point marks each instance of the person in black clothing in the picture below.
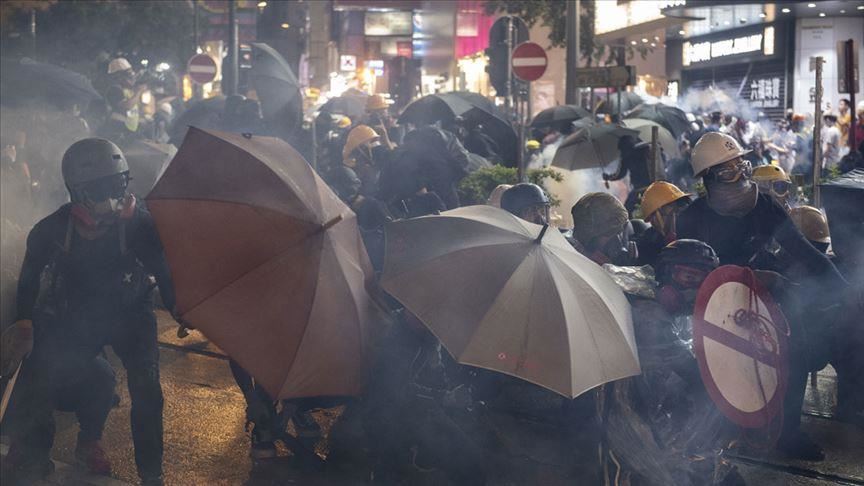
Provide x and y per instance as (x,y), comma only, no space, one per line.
(85,283)
(634,161)
(741,225)
(441,159)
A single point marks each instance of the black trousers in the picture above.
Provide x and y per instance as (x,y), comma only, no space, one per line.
(65,369)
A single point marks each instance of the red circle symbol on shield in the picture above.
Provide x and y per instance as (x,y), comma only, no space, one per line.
(740,338)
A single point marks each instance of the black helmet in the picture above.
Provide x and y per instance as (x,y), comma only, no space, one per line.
(693,253)
(92,159)
(521,196)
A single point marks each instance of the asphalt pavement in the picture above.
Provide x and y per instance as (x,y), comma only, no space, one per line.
(206,444)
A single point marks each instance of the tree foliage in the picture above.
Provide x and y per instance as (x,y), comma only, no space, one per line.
(476,187)
(80,33)
(553,14)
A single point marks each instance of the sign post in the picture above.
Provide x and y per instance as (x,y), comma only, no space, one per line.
(201,68)
(528,63)
(816,65)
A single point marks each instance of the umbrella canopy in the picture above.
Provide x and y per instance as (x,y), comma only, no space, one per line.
(147,161)
(590,146)
(471,107)
(559,114)
(664,138)
(352,105)
(26,79)
(274,81)
(202,114)
(267,262)
(507,295)
(629,100)
(669,117)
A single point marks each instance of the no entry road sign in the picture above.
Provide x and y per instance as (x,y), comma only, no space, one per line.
(201,69)
(529,61)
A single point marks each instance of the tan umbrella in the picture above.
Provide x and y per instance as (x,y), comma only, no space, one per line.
(267,262)
(664,136)
(504,294)
(591,145)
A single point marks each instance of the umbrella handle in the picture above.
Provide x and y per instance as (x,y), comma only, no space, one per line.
(331,223)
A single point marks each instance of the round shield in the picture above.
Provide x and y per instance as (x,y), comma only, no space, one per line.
(740,338)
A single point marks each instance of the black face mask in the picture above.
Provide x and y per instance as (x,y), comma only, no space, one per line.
(620,250)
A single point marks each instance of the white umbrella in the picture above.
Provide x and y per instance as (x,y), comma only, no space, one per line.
(511,296)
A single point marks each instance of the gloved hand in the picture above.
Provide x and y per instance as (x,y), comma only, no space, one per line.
(15,344)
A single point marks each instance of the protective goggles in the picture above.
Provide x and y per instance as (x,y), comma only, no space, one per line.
(111,187)
(731,171)
(688,276)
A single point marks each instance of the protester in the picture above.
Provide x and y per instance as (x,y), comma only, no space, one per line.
(679,171)
(773,182)
(830,142)
(528,202)
(844,121)
(440,161)
(602,229)
(98,251)
(123,97)
(661,203)
(813,225)
(634,161)
(739,223)
(378,117)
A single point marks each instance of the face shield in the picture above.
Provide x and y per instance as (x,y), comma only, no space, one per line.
(104,197)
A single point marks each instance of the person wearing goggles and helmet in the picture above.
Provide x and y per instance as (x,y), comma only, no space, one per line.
(661,203)
(527,201)
(739,223)
(85,284)
(773,181)
(602,229)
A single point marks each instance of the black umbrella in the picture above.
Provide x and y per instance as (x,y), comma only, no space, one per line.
(628,102)
(275,82)
(674,119)
(559,114)
(472,108)
(26,79)
(202,114)
(351,105)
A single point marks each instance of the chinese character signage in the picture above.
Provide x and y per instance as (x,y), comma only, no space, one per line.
(766,92)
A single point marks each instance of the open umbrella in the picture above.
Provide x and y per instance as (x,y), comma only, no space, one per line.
(274,82)
(202,114)
(352,104)
(26,79)
(267,262)
(590,146)
(664,138)
(147,161)
(559,114)
(669,117)
(507,295)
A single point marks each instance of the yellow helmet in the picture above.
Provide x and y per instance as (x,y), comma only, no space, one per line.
(811,223)
(659,194)
(356,137)
(343,122)
(532,145)
(376,102)
(769,173)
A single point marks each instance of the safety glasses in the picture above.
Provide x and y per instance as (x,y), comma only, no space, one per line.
(111,187)
(781,188)
(731,171)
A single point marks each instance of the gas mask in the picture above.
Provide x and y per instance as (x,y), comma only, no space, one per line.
(731,192)
(103,201)
(618,250)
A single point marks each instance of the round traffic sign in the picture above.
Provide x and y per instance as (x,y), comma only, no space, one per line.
(201,68)
(740,339)
(529,61)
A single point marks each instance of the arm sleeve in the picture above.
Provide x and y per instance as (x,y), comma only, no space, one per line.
(623,169)
(35,259)
(148,247)
(457,154)
(818,265)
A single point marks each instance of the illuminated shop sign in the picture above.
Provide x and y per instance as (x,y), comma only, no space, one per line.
(709,50)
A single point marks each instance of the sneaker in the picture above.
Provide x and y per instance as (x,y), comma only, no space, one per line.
(800,446)
(90,454)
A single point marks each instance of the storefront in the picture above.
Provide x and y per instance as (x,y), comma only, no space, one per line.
(748,68)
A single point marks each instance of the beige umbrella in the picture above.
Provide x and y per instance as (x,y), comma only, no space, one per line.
(664,136)
(267,262)
(511,296)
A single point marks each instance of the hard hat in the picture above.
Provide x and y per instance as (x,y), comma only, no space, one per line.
(376,102)
(343,122)
(118,64)
(829,114)
(714,148)
(597,214)
(659,194)
(495,196)
(811,223)
(521,196)
(769,173)
(693,253)
(798,117)
(90,159)
(356,137)
(532,145)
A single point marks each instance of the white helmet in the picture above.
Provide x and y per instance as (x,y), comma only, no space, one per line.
(714,148)
(118,64)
